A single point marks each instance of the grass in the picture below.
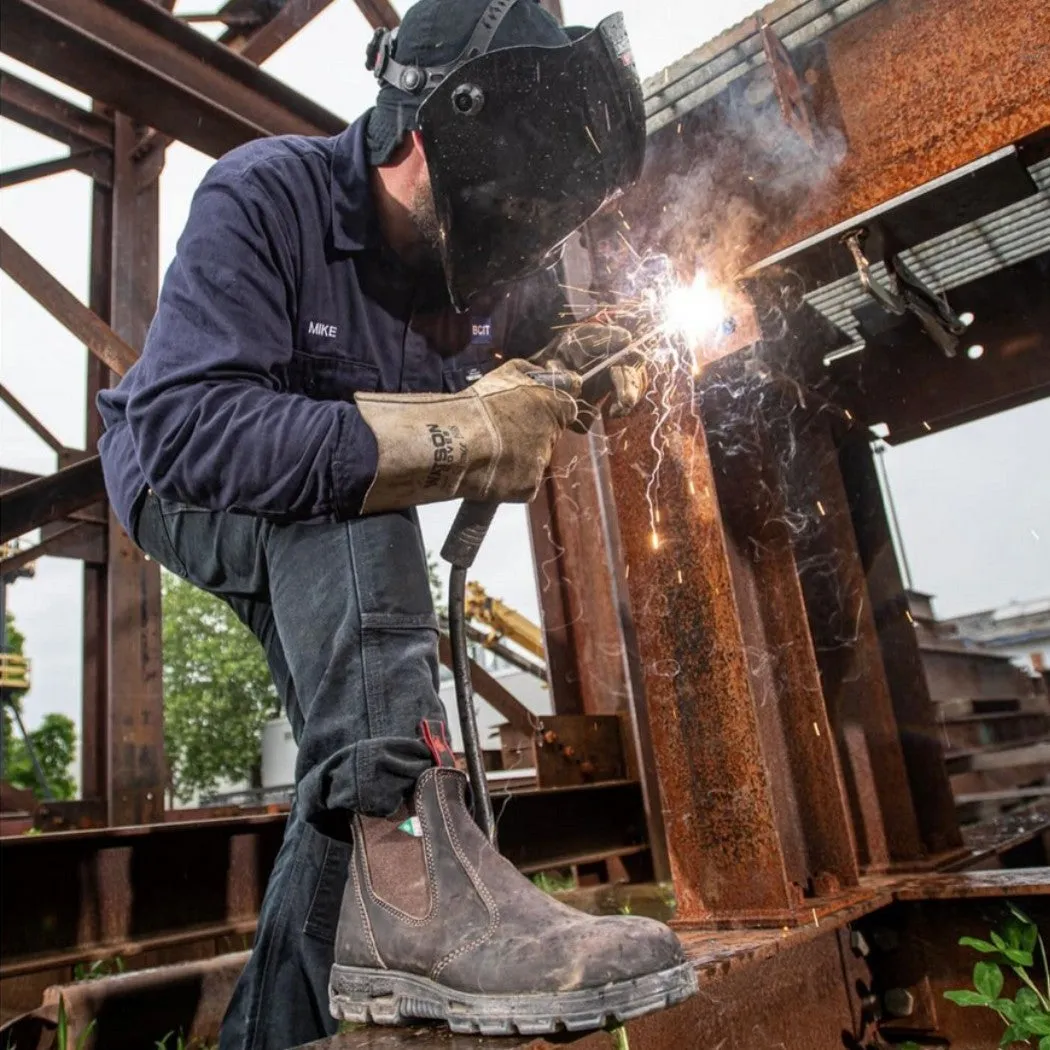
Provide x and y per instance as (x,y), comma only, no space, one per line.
(554,881)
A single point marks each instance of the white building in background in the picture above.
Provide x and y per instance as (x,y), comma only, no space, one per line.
(1020,630)
(278,745)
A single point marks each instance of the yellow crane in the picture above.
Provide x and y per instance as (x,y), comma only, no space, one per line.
(502,621)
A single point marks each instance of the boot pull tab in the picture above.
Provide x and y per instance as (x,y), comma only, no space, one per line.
(435,736)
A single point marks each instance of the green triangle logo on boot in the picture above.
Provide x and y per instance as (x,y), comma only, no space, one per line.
(411,826)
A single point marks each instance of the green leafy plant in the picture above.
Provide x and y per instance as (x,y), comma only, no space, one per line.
(99,968)
(1027,1015)
(181,1044)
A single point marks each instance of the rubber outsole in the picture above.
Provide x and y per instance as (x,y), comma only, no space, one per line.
(389,997)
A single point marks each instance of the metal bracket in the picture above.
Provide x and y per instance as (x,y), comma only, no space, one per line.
(906,293)
(791,94)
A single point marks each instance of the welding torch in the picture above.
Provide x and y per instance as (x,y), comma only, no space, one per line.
(461,547)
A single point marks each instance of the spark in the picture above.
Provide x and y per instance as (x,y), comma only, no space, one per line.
(848,414)
(692,489)
(630,247)
(911,619)
(820,507)
(594,141)
(654,539)
(657,515)
(816,729)
(695,311)
(927,426)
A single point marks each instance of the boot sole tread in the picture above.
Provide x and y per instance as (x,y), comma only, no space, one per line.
(390,997)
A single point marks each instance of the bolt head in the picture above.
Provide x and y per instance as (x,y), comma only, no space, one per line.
(859,943)
(899,1002)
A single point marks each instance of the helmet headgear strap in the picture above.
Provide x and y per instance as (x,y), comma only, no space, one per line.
(421,80)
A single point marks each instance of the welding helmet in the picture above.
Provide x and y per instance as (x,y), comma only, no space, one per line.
(524,143)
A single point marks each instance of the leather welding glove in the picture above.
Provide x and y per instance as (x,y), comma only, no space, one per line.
(618,389)
(490,443)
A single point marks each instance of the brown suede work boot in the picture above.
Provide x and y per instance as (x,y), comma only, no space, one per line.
(435,924)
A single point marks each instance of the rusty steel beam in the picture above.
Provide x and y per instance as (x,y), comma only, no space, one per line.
(65,307)
(137,774)
(259,45)
(36,503)
(842,625)
(726,854)
(142,61)
(583,636)
(94,163)
(747,449)
(54,117)
(14,562)
(892,110)
(912,110)
(30,420)
(380,14)
(94,731)
(921,742)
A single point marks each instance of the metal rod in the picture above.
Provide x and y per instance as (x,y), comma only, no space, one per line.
(72,162)
(30,420)
(31,751)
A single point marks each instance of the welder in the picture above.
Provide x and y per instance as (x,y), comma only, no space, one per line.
(349,329)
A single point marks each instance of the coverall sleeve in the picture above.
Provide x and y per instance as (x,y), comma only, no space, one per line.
(210,423)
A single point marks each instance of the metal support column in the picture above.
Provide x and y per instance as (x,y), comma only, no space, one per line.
(920,741)
(135,703)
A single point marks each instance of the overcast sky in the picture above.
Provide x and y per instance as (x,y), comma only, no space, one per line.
(974,502)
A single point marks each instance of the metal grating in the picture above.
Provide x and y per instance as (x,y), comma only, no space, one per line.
(709,69)
(1011,235)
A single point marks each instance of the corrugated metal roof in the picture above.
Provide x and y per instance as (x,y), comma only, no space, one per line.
(1003,238)
(709,69)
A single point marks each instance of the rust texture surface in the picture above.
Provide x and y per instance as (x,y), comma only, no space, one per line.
(925,86)
(137,774)
(721,827)
(797,741)
(1011,882)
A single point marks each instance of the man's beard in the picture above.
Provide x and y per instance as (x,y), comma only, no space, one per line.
(425,254)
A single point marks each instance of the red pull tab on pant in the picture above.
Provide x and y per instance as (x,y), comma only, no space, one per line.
(435,736)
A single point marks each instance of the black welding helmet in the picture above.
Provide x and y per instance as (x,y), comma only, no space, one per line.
(523,143)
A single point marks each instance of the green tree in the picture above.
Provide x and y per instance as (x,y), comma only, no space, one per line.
(218,693)
(54,741)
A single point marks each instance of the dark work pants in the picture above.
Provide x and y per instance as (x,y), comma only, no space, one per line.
(345,616)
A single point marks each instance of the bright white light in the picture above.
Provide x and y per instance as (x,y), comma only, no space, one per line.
(975,352)
(967,318)
(694,311)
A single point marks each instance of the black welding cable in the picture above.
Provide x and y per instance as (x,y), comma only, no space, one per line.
(460,549)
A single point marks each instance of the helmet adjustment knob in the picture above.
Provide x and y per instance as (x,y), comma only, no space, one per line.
(468,99)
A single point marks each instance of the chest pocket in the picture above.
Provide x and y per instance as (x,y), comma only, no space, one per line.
(467,367)
(329,377)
